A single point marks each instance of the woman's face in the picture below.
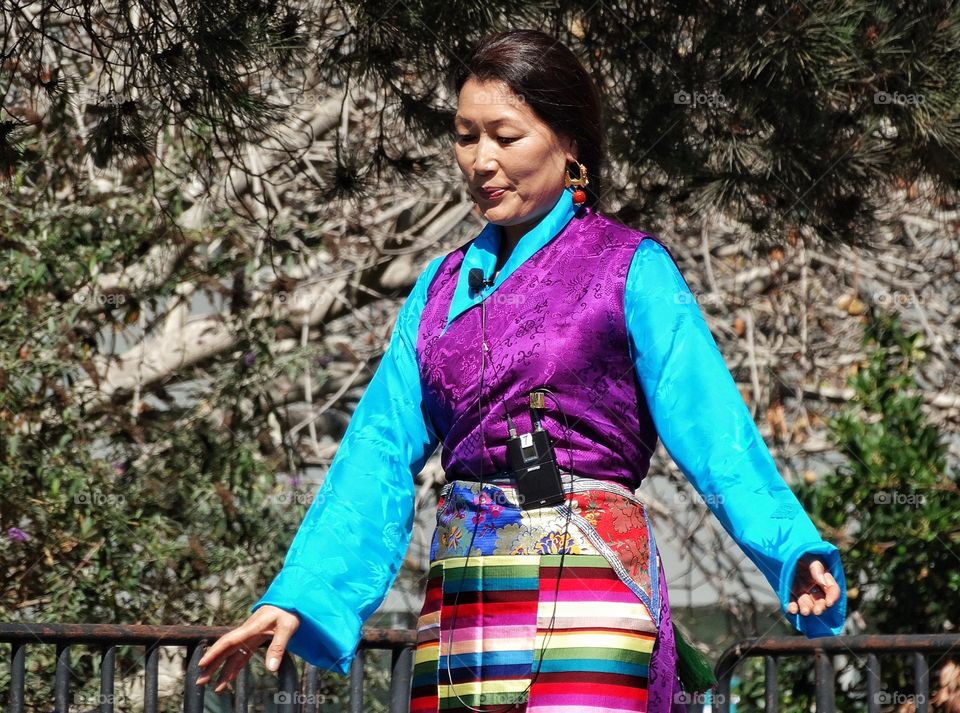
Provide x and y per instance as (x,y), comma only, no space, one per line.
(502,144)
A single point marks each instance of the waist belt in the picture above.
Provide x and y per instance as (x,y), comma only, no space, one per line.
(609,516)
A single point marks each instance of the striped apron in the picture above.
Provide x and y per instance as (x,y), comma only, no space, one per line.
(549,609)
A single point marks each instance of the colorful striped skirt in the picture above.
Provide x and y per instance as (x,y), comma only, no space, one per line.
(556,609)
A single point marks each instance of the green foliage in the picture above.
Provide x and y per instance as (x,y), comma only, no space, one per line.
(126,511)
(893,504)
(785,113)
(796,681)
(892,509)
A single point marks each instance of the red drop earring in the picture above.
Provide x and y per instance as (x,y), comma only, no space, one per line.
(579,195)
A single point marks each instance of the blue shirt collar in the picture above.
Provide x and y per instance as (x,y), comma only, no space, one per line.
(482,253)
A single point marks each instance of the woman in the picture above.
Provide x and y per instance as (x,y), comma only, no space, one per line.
(545,590)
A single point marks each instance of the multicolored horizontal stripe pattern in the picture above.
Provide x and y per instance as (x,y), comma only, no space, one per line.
(489,623)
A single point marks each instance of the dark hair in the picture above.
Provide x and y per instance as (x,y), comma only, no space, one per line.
(553,83)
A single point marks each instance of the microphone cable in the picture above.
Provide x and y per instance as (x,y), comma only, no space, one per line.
(522,696)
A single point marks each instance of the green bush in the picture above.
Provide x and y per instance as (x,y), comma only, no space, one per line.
(892,508)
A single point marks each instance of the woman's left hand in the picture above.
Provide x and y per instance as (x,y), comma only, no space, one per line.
(814,588)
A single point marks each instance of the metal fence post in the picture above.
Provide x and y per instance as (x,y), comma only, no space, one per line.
(356,682)
(921,677)
(400,680)
(771,693)
(823,665)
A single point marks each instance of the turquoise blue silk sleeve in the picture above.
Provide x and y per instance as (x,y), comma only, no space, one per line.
(352,540)
(707,429)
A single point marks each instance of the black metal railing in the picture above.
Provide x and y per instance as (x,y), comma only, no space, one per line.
(823,650)
(289,696)
(296,694)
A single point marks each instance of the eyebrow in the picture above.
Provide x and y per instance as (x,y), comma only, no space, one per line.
(495,122)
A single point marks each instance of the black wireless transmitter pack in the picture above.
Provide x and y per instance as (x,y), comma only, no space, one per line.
(532,461)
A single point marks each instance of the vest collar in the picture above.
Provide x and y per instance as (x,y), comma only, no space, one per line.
(482,253)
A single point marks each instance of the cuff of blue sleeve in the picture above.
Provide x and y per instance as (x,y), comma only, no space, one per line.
(831,622)
(329,631)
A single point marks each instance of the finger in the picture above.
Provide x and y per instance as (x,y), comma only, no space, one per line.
(214,657)
(225,647)
(817,571)
(225,643)
(279,644)
(234,665)
(803,605)
(819,604)
(253,632)
(211,668)
(818,597)
(801,586)
(832,589)
(821,600)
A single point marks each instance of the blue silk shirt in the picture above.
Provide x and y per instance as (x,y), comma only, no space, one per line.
(351,543)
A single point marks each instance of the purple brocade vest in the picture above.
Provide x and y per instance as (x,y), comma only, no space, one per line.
(556,322)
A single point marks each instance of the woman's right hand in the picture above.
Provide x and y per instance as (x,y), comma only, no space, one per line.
(235,648)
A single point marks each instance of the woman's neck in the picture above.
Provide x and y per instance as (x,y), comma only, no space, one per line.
(510,236)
